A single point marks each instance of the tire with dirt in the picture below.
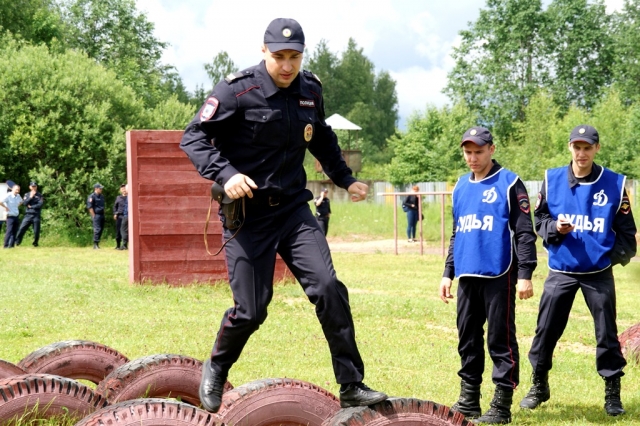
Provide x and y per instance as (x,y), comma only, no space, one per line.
(399,411)
(76,359)
(275,402)
(8,369)
(150,412)
(626,337)
(45,395)
(155,376)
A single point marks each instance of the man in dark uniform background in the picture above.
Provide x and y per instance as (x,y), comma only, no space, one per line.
(323,209)
(118,210)
(582,205)
(250,136)
(33,202)
(95,204)
(492,248)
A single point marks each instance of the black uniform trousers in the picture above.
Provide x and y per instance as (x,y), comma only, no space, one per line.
(293,233)
(12,230)
(124,231)
(28,220)
(324,224)
(98,226)
(491,300)
(557,298)
(118,232)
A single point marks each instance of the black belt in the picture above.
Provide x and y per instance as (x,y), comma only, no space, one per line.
(270,201)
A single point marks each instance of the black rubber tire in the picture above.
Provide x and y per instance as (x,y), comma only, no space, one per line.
(281,402)
(626,337)
(45,395)
(76,359)
(155,376)
(150,412)
(396,411)
(8,369)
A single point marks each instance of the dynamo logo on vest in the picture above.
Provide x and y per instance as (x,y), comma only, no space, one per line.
(490,195)
(600,198)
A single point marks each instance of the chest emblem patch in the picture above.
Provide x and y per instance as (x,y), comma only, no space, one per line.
(308,132)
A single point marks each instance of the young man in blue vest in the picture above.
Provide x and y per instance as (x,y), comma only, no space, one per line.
(492,253)
(584,216)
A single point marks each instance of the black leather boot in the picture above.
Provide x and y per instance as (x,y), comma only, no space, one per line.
(469,401)
(96,246)
(211,387)
(499,412)
(358,394)
(539,391)
(612,403)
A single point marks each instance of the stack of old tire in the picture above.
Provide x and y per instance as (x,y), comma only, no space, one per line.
(45,384)
(161,390)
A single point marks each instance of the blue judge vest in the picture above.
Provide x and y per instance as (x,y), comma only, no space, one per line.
(591,207)
(483,244)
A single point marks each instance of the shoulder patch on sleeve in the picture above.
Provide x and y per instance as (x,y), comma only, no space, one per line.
(625,206)
(523,202)
(312,76)
(209,109)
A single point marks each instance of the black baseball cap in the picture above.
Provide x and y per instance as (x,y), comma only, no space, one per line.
(97,185)
(33,183)
(478,135)
(284,34)
(584,133)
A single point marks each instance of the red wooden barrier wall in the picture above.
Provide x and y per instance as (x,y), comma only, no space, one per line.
(168,203)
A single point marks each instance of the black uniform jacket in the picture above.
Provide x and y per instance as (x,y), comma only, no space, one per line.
(522,225)
(625,245)
(33,204)
(263,131)
(96,202)
(118,205)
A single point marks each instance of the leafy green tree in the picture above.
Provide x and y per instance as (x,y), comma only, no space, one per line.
(37,21)
(580,49)
(626,36)
(500,62)
(62,122)
(116,35)
(430,148)
(323,63)
(221,66)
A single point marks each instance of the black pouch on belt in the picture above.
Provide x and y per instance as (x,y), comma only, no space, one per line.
(231,209)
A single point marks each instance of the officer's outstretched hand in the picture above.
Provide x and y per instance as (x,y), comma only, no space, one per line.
(525,289)
(239,185)
(445,289)
(358,191)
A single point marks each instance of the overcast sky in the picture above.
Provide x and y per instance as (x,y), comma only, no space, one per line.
(412,39)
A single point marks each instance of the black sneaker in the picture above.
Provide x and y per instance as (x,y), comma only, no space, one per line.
(358,394)
(211,388)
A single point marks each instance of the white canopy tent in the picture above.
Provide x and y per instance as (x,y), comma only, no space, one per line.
(336,121)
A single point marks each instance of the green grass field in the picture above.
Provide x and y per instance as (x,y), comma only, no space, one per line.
(407,336)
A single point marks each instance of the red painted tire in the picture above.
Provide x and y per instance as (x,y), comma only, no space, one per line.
(155,376)
(626,337)
(45,395)
(399,411)
(8,369)
(150,412)
(76,359)
(275,402)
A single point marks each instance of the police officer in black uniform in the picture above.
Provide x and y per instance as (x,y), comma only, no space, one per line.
(323,210)
(118,212)
(250,136)
(491,250)
(584,217)
(33,201)
(95,204)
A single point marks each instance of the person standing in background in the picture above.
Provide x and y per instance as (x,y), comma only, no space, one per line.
(33,200)
(124,226)
(118,207)
(410,205)
(323,210)
(11,203)
(95,205)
